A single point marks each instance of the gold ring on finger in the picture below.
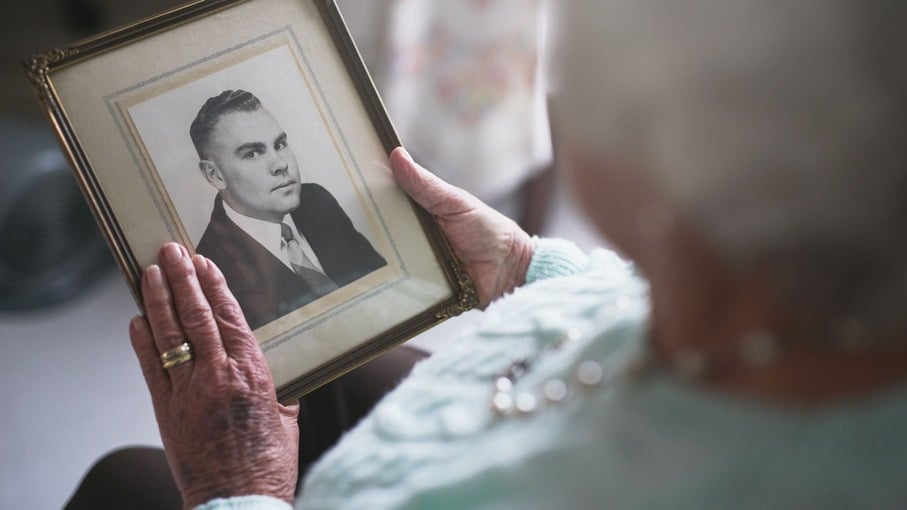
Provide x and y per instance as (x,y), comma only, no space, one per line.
(176,356)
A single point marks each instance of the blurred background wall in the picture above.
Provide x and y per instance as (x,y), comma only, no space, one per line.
(29,26)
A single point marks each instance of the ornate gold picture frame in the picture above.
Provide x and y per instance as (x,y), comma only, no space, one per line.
(197,124)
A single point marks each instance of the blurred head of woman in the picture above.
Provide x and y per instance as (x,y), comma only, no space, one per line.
(750,157)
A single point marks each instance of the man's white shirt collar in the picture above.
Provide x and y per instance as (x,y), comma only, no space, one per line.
(268,235)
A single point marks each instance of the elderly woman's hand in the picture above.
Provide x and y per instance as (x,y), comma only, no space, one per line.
(223,430)
(494,250)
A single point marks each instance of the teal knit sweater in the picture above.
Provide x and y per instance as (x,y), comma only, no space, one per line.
(624,443)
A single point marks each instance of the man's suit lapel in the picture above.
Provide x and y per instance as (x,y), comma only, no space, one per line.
(264,286)
(248,253)
(344,253)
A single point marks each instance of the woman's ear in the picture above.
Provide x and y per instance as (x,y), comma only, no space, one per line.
(212,174)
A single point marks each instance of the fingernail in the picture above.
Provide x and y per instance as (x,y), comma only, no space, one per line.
(172,253)
(137,323)
(153,273)
(201,265)
(215,271)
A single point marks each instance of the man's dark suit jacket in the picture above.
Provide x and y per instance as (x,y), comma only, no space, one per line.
(267,289)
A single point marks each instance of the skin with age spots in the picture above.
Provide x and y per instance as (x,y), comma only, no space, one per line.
(217,414)
(493,249)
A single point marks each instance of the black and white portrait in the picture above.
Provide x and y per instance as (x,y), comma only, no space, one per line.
(251,169)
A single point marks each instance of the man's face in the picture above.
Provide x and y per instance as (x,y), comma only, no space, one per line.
(252,166)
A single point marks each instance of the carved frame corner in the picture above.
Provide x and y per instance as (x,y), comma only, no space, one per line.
(38,66)
(467,297)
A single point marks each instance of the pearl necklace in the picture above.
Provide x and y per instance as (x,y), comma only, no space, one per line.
(755,349)
(586,376)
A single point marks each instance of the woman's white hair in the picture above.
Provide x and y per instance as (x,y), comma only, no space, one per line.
(779,126)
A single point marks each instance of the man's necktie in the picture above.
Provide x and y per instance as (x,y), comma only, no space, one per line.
(302,265)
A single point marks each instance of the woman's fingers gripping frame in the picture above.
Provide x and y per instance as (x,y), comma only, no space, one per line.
(238,340)
(149,359)
(428,190)
(177,310)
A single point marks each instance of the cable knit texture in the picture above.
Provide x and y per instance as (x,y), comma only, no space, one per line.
(555,257)
(631,443)
(246,503)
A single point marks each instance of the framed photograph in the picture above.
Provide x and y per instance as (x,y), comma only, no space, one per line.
(250,132)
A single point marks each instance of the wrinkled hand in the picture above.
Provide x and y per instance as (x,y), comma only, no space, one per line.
(494,250)
(223,430)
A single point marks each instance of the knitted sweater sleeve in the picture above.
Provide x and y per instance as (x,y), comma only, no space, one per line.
(555,257)
(245,503)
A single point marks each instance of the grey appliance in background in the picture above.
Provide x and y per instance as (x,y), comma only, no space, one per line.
(50,246)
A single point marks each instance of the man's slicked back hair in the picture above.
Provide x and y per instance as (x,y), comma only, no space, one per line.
(228,101)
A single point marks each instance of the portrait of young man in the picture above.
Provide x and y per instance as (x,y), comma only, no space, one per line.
(280,242)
